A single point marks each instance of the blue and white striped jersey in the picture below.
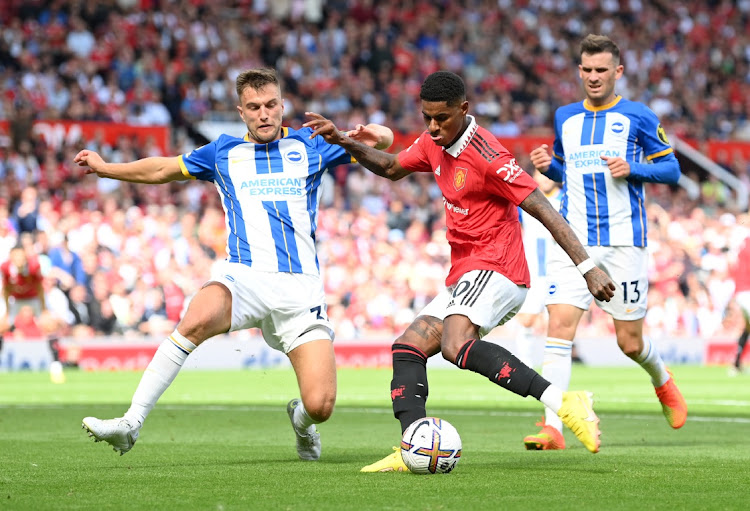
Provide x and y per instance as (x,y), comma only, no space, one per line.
(270,194)
(537,240)
(600,209)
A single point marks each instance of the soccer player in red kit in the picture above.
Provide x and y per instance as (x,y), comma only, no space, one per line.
(22,283)
(482,186)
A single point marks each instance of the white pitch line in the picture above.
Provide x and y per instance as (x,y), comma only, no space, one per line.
(387,411)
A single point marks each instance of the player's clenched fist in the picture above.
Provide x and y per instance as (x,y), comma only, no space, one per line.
(90,159)
(600,285)
(541,158)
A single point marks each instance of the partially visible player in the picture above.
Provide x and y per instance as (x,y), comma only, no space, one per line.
(22,283)
(740,273)
(482,187)
(23,292)
(537,244)
(269,184)
(606,147)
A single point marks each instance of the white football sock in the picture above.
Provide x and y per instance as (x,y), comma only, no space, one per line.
(556,370)
(525,345)
(302,421)
(651,361)
(552,398)
(159,375)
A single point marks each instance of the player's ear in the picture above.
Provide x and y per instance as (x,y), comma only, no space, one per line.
(239,111)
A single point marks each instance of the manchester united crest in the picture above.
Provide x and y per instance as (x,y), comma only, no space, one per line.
(459,178)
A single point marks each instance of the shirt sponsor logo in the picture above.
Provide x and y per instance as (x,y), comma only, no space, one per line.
(590,158)
(511,169)
(274,186)
(459,177)
(455,209)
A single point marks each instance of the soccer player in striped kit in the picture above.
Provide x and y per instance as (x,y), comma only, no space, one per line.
(537,244)
(269,184)
(482,186)
(606,147)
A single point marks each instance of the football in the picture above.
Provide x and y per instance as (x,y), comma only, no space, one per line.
(431,446)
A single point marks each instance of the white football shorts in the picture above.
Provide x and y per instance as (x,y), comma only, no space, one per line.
(626,266)
(536,297)
(288,308)
(486,297)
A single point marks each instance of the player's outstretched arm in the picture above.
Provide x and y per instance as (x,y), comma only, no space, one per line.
(598,282)
(153,170)
(374,135)
(376,161)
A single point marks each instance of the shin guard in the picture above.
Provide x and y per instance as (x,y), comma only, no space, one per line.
(409,385)
(500,366)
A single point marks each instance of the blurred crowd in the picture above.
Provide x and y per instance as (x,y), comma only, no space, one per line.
(124,259)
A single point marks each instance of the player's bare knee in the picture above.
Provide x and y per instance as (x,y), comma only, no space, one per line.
(631,350)
(320,408)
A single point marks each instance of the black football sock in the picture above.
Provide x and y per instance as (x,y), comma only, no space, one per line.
(53,348)
(740,347)
(409,384)
(501,367)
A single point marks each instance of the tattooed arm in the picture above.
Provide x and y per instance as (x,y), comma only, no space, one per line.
(537,205)
(378,162)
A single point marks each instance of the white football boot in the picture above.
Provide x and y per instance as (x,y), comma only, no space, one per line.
(118,433)
(308,443)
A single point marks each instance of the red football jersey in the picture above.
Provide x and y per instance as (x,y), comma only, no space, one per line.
(482,186)
(23,284)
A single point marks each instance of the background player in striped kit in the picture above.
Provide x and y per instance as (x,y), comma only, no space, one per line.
(537,244)
(601,150)
(482,186)
(268,182)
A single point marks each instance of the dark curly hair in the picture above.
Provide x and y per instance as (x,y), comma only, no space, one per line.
(443,86)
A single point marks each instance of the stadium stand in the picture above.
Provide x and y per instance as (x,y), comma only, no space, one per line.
(169,65)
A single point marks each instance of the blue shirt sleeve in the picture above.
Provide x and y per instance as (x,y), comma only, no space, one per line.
(200,163)
(331,154)
(556,170)
(664,167)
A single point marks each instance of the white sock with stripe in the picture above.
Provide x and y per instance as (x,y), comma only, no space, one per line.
(651,361)
(302,421)
(159,375)
(556,370)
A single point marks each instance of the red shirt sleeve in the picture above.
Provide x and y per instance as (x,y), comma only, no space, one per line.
(416,157)
(510,181)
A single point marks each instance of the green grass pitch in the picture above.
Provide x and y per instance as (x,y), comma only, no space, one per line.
(222,441)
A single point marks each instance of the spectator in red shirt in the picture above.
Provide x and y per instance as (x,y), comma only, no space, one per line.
(22,283)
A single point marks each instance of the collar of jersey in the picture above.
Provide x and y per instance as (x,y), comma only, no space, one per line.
(460,144)
(603,107)
(284,133)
